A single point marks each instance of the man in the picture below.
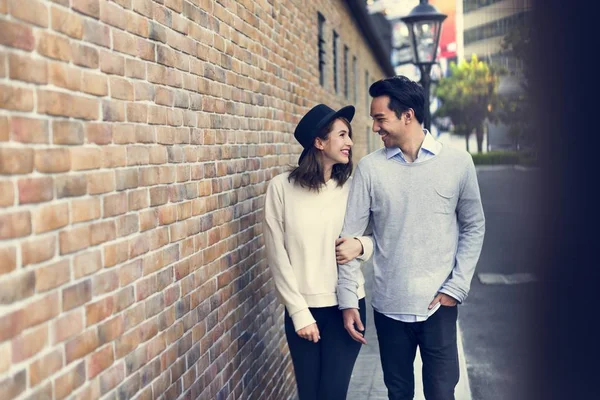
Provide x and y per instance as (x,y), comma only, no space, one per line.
(422,199)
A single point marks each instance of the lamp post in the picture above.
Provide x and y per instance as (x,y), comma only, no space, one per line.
(424,24)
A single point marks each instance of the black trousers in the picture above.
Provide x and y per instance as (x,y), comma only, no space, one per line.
(323,369)
(436,338)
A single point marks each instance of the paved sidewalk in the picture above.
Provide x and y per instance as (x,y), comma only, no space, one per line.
(367,377)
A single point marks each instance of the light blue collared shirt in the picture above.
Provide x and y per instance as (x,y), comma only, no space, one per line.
(429,149)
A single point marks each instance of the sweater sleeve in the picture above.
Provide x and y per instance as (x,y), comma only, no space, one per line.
(279,261)
(471,222)
(355,222)
(367,244)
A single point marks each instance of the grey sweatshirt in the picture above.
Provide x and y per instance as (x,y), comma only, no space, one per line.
(428,228)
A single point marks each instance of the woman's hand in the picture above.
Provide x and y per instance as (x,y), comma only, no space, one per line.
(347,249)
(310,332)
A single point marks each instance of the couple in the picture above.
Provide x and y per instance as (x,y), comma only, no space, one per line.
(421,200)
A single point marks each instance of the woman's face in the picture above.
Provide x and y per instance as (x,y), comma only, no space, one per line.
(336,149)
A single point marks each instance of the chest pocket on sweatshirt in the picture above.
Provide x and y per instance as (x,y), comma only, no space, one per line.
(445,201)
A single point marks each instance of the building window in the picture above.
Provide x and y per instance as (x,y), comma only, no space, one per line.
(496,28)
(346,50)
(335,61)
(355,75)
(470,5)
(321,49)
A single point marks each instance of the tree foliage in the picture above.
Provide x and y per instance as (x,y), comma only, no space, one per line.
(468,97)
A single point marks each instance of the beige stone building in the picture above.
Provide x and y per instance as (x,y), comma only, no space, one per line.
(137,138)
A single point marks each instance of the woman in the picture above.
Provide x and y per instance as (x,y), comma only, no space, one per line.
(304,213)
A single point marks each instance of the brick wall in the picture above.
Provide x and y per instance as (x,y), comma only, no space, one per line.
(137,138)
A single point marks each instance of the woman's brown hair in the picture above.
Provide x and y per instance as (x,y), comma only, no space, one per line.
(309,174)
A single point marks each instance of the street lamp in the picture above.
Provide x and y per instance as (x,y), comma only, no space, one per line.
(424,24)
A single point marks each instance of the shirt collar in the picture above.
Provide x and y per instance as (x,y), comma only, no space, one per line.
(429,145)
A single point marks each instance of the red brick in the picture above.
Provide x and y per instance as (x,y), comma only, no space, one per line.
(52,160)
(16,160)
(91,391)
(110,330)
(60,74)
(23,68)
(112,63)
(67,326)
(81,345)
(99,133)
(11,387)
(115,204)
(135,69)
(69,381)
(15,224)
(29,130)
(5,357)
(38,250)
(50,217)
(67,132)
(84,158)
(121,88)
(8,255)
(70,186)
(113,111)
(29,344)
(85,210)
(127,178)
(76,295)
(123,299)
(87,7)
(99,361)
(130,272)
(113,15)
(112,377)
(54,46)
(7,194)
(138,199)
(4,125)
(144,91)
(137,155)
(95,84)
(96,33)
(124,133)
(11,324)
(99,310)
(52,276)
(58,103)
(35,190)
(31,11)
(85,56)
(15,98)
(15,34)
(17,287)
(41,310)
(69,23)
(44,367)
(86,263)
(102,232)
(127,224)
(74,239)
(127,342)
(105,282)
(116,253)
(123,42)
(101,182)
(137,112)
(114,156)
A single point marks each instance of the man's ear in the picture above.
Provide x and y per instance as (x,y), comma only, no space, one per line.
(319,143)
(410,114)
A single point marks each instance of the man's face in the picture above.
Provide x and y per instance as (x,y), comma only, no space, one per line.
(386,123)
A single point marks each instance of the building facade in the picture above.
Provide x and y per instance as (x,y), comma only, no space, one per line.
(137,139)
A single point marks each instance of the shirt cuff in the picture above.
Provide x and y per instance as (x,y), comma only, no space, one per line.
(302,319)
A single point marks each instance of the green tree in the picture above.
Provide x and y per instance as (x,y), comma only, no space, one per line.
(468,97)
(514,109)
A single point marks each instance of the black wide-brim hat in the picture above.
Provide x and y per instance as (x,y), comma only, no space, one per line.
(316,119)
